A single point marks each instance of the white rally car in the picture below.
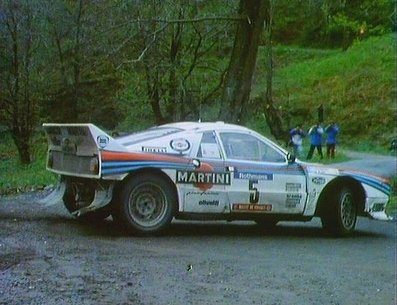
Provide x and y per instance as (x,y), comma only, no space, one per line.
(202,171)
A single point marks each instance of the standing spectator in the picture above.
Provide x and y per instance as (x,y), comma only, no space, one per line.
(316,134)
(332,131)
(297,134)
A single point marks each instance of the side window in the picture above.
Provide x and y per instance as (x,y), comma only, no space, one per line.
(247,147)
(209,147)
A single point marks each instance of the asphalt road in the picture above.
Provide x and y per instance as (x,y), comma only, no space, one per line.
(381,165)
(47,257)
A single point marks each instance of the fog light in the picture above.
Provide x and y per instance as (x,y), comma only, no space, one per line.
(94,165)
(377,207)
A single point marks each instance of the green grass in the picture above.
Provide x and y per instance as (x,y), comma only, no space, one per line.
(356,87)
(391,208)
(15,177)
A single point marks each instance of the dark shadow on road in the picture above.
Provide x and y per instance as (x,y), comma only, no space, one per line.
(202,229)
(189,229)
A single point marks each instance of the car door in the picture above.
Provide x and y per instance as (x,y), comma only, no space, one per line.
(262,180)
(205,188)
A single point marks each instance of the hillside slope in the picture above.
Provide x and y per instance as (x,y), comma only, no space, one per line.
(356,87)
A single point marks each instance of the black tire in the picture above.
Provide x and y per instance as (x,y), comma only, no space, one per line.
(147,204)
(70,202)
(340,215)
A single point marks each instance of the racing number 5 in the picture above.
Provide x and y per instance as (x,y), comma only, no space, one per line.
(254,193)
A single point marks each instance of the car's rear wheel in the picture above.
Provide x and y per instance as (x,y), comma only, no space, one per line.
(147,204)
(340,216)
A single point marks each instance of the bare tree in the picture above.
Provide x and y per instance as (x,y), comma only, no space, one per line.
(19,73)
(172,46)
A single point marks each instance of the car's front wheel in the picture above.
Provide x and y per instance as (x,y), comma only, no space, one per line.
(147,204)
(340,216)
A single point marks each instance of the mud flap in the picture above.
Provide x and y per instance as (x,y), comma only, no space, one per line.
(55,197)
(101,199)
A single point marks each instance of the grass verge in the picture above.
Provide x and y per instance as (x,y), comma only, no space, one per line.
(16,177)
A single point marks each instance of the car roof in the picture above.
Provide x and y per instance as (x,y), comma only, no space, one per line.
(203,126)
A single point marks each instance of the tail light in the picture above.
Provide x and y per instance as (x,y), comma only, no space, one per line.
(94,165)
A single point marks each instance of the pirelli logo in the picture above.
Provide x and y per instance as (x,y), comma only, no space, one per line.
(192,177)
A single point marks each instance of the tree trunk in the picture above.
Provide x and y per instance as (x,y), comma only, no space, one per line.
(21,139)
(272,115)
(237,86)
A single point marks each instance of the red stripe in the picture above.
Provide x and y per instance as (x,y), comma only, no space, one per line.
(123,156)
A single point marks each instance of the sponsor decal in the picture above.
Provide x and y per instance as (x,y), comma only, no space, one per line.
(102,141)
(322,170)
(180,145)
(149,149)
(252,207)
(293,200)
(193,177)
(209,202)
(253,176)
(202,194)
(318,180)
(293,187)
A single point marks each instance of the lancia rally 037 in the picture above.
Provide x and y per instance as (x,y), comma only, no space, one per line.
(202,171)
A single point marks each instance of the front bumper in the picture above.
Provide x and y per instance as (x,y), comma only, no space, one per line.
(375,207)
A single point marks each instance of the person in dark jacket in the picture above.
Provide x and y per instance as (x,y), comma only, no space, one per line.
(332,131)
(316,134)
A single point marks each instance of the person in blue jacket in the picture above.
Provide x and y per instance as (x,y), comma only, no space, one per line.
(316,135)
(332,131)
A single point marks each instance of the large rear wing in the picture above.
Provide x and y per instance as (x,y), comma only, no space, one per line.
(75,149)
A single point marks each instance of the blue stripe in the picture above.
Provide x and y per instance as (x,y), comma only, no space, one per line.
(373,182)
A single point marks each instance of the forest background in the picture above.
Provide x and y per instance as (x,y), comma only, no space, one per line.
(127,65)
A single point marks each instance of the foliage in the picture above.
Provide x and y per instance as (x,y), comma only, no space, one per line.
(330,23)
(391,208)
(171,61)
(358,81)
(131,64)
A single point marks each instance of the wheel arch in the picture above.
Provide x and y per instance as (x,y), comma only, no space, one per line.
(336,185)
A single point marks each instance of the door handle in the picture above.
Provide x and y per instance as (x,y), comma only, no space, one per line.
(230,168)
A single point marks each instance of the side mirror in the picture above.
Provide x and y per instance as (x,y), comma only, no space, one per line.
(196,163)
(291,158)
